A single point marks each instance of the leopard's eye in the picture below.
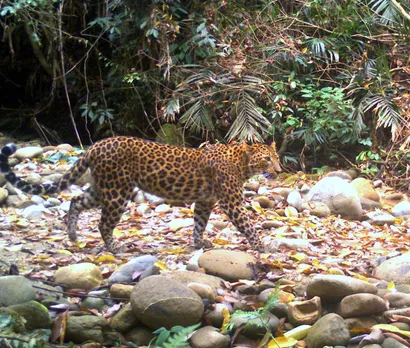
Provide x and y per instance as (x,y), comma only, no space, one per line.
(267,158)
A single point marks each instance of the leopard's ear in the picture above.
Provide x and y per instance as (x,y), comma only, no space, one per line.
(273,145)
(247,153)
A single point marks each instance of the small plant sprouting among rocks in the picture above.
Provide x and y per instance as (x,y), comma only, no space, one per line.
(176,337)
(260,314)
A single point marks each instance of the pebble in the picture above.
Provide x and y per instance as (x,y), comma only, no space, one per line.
(209,337)
(79,276)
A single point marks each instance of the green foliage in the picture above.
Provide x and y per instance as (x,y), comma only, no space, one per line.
(176,337)
(94,112)
(260,314)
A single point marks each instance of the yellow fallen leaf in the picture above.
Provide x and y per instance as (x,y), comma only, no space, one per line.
(391,286)
(298,256)
(220,241)
(64,252)
(172,251)
(257,207)
(22,223)
(227,319)
(282,342)
(162,266)
(105,258)
(391,328)
(117,232)
(298,332)
(285,297)
(81,244)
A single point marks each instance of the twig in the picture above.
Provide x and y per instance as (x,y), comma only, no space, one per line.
(60,39)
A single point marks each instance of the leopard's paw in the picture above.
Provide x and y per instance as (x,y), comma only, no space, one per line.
(204,243)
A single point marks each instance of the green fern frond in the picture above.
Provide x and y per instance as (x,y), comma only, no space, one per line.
(176,337)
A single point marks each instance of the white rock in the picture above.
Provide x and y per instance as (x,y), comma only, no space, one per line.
(163,208)
(65,206)
(34,212)
(401,209)
(29,152)
(295,200)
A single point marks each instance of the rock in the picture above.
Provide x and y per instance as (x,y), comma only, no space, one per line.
(282,191)
(257,326)
(380,218)
(316,208)
(54,178)
(203,290)
(291,212)
(227,264)
(144,209)
(392,343)
(340,174)
(272,224)
(154,200)
(208,337)
(304,312)
(53,201)
(93,303)
(35,314)
(28,152)
(330,330)
(332,288)
(398,299)
(125,319)
(361,324)
(10,189)
(365,189)
(396,269)
(64,147)
(252,186)
(400,209)
(360,305)
(34,212)
(296,244)
(82,327)
(140,336)
(264,202)
(3,195)
(295,200)
(14,322)
(368,204)
(339,195)
(79,276)
(34,179)
(38,200)
(2,180)
(215,316)
(121,291)
(160,301)
(186,277)
(219,224)
(15,290)
(138,265)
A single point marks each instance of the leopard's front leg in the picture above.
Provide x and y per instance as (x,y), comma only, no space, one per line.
(231,202)
(202,212)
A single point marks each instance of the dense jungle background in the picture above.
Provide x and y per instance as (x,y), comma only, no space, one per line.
(327,79)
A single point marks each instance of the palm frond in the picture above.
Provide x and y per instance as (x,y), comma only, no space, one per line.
(388,115)
(385,10)
(323,49)
(249,125)
(197,118)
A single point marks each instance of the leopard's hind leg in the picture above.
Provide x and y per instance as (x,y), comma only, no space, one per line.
(88,200)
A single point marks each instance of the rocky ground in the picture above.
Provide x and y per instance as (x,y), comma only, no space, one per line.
(336,272)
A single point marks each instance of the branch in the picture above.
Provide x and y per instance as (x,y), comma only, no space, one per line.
(401,9)
(37,50)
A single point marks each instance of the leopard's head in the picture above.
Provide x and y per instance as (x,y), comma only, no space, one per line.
(264,160)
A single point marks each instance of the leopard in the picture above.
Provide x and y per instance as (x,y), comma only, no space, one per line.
(204,176)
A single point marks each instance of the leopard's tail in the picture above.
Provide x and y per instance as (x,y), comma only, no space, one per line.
(69,178)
